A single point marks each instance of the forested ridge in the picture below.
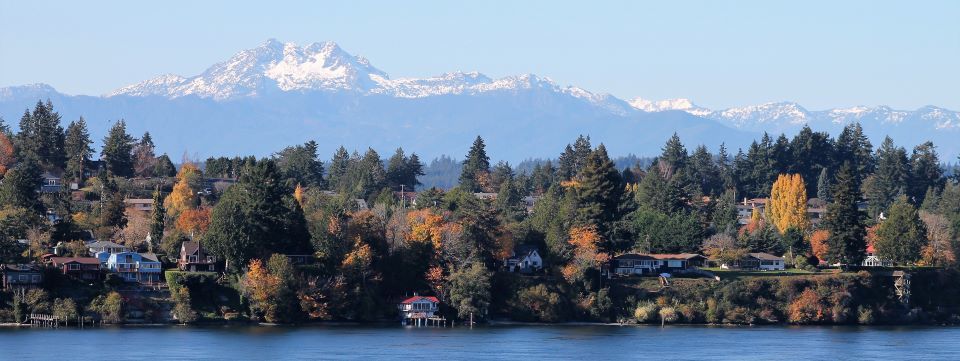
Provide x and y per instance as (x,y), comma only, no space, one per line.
(371,239)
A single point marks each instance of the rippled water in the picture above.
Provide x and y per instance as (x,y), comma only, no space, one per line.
(492,342)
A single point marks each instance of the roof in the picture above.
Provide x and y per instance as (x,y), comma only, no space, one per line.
(190,247)
(20,267)
(138,201)
(104,244)
(765,256)
(81,260)
(633,256)
(675,256)
(419,298)
(150,257)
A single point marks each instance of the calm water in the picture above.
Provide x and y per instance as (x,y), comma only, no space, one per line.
(495,342)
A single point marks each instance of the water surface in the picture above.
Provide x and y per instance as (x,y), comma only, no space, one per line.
(492,342)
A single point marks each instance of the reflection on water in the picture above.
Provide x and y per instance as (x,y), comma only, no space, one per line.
(495,342)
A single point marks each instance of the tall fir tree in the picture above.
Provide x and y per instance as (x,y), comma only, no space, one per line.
(824,188)
(117,150)
(844,221)
(599,192)
(158,221)
(476,167)
(338,168)
(890,179)
(925,172)
(41,137)
(78,150)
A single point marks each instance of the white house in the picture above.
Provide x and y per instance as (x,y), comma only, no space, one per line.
(757,261)
(524,259)
(418,307)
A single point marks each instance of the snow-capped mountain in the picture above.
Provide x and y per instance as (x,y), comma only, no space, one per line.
(325,67)
(277,94)
(783,116)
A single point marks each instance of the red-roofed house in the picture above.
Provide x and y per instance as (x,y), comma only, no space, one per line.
(418,307)
(84,268)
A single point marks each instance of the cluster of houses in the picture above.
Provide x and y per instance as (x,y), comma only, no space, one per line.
(104,258)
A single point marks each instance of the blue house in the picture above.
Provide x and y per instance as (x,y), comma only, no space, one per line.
(134,267)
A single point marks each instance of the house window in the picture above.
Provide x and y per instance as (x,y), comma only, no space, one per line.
(23,278)
(36,278)
(73,267)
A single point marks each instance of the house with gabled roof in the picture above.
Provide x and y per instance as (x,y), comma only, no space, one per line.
(524,259)
(195,258)
(418,307)
(82,268)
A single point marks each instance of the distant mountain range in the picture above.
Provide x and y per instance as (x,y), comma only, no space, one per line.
(279,94)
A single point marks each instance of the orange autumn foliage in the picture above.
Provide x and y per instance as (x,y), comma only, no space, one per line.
(298,194)
(194,221)
(818,243)
(809,307)
(183,196)
(6,154)
(425,226)
(586,252)
(261,287)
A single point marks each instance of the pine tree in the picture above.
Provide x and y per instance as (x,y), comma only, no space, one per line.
(890,179)
(41,137)
(824,189)
(117,148)
(165,167)
(901,237)
(78,150)
(925,172)
(19,186)
(844,221)
(476,167)
(674,153)
(158,223)
(599,192)
(854,146)
(338,168)
(300,165)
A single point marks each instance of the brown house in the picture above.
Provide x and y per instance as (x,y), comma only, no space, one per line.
(83,268)
(194,258)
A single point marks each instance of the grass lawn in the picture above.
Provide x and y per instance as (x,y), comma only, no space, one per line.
(725,274)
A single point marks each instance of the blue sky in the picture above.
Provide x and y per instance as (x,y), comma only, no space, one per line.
(720,54)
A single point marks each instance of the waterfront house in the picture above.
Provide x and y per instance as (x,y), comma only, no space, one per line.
(195,258)
(872,260)
(639,264)
(757,261)
(524,259)
(418,307)
(20,275)
(135,267)
(82,268)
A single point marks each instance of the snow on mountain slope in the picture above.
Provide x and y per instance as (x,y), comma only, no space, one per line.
(325,67)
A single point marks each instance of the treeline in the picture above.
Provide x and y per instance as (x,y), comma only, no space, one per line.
(451,243)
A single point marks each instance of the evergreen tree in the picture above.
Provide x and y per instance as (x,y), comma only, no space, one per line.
(925,172)
(300,165)
(78,150)
(112,208)
(476,168)
(257,217)
(19,186)
(565,169)
(164,167)
(824,190)
(403,170)
(370,175)
(891,178)
(41,137)
(117,148)
(901,237)
(158,222)
(674,153)
(812,152)
(599,192)
(338,168)
(704,172)
(854,146)
(844,221)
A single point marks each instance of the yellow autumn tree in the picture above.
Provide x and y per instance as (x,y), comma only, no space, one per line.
(184,194)
(425,226)
(261,288)
(788,203)
(586,253)
(298,194)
